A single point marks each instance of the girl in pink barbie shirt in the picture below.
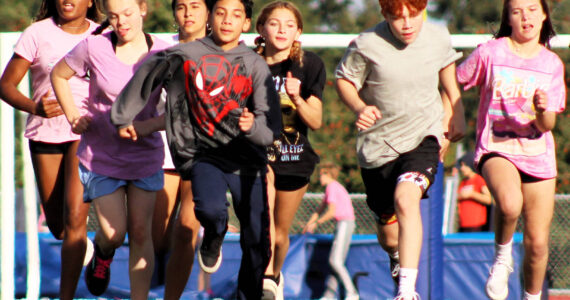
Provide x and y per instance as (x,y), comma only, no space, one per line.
(59,26)
(521,84)
(120,175)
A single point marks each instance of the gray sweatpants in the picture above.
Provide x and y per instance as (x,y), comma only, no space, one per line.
(339,250)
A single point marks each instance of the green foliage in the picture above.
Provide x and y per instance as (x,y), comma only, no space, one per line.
(17,15)
(336,139)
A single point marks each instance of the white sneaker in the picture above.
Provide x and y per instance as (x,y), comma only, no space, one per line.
(269,289)
(352,297)
(407,296)
(497,286)
(280,287)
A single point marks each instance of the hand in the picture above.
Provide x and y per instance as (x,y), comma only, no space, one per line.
(48,108)
(367,116)
(246,120)
(80,125)
(444,147)
(456,128)
(128,133)
(464,194)
(293,88)
(540,101)
(310,227)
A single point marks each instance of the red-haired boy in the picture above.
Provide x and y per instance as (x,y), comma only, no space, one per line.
(389,76)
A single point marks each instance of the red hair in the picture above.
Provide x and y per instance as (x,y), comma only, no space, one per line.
(394,7)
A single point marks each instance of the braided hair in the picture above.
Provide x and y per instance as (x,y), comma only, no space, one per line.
(296,53)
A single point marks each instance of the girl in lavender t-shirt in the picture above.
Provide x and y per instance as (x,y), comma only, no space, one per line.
(59,27)
(522,89)
(115,167)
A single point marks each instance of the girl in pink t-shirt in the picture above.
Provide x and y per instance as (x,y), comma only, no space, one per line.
(114,167)
(338,205)
(522,89)
(58,28)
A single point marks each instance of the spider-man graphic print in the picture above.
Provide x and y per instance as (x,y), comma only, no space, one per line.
(217,91)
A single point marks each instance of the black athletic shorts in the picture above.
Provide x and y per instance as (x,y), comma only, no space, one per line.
(290,182)
(49,148)
(525,178)
(418,165)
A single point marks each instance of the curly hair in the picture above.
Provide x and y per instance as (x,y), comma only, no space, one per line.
(394,7)
(296,53)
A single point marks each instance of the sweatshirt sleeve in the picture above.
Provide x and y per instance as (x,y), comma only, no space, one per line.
(267,124)
(135,95)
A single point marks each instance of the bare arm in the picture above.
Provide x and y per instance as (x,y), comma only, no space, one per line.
(314,220)
(60,76)
(310,110)
(545,120)
(367,114)
(483,197)
(454,120)
(13,74)
(142,128)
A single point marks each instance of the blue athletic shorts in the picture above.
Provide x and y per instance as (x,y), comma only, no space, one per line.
(95,185)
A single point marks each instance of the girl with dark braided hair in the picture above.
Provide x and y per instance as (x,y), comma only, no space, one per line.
(59,26)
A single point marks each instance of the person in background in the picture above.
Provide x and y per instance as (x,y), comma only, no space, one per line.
(120,176)
(473,197)
(59,26)
(338,205)
(521,90)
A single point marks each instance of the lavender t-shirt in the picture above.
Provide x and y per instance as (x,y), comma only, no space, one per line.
(101,150)
(43,44)
(506,113)
(336,194)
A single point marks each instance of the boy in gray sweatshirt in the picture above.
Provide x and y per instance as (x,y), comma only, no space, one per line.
(222,110)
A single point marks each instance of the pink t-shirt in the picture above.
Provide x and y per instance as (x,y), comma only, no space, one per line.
(336,194)
(43,44)
(507,84)
(101,150)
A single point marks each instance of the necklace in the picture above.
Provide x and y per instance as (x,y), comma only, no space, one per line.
(289,142)
(72,27)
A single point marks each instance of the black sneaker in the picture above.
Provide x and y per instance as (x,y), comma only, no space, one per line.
(395,270)
(98,272)
(210,253)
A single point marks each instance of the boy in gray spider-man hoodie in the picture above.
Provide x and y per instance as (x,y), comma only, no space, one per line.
(222,109)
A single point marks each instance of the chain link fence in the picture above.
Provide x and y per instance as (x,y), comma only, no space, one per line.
(558,272)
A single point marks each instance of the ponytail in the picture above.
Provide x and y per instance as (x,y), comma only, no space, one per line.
(102,27)
(296,53)
(259,45)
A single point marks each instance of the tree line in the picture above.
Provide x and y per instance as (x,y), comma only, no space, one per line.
(335,141)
